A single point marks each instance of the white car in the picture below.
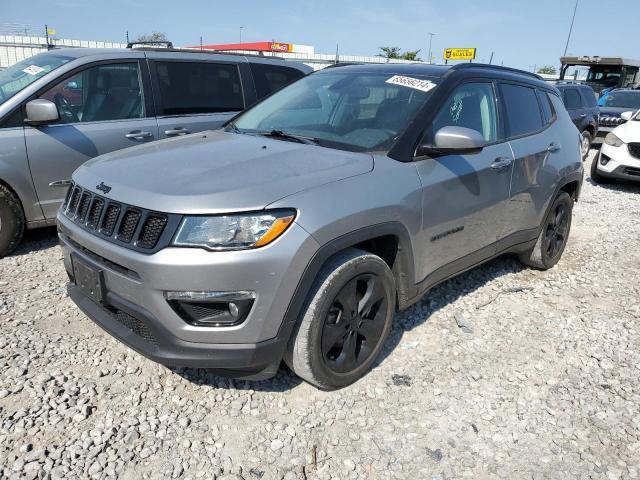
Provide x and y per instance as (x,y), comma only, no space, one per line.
(619,156)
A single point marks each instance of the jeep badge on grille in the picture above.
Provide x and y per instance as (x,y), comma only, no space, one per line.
(103,188)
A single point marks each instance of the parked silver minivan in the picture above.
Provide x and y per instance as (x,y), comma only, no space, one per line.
(60,108)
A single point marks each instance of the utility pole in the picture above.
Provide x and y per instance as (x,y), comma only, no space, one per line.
(491,58)
(200,42)
(430,41)
(575,9)
(127,35)
(337,53)
(241,34)
(46,34)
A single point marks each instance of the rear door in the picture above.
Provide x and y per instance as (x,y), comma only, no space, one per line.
(536,142)
(465,196)
(103,107)
(575,107)
(194,95)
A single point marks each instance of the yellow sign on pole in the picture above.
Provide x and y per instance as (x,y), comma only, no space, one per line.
(459,53)
(51,31)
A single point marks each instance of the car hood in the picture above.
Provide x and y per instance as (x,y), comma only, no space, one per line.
(215,172)
(628,132)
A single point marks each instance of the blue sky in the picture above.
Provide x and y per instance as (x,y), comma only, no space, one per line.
(521,33)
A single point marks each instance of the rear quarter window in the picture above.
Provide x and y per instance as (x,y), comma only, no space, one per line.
(269,78)
(522,109)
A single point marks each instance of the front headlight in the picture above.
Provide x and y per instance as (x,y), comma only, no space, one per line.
(613,140)
(233,232)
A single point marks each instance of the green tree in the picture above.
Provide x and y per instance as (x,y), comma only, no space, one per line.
(412,55)
(547,70)
(155,37)
(389,52)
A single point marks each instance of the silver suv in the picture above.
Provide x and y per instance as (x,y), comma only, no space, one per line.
(60,108)
(299,229)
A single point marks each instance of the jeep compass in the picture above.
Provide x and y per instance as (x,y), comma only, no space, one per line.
(297,231)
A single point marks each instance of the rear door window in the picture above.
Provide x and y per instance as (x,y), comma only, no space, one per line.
(572,99)
(187,88)
(522,109)
(269,78)
(589,97)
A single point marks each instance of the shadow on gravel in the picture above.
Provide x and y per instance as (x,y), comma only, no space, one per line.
(443,295)
(618,186)
(36,240)
(282,382)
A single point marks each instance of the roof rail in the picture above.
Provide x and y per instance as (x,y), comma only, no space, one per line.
(496,67)
(151,48)
(342,64)
(151,44)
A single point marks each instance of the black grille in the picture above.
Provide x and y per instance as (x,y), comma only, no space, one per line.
(634,149)
(73,201)
(125,225)
(151,231)
(137,326)
(128,225)
(110,219)
(68,196)
(94,213)
(632,171)
(83,208)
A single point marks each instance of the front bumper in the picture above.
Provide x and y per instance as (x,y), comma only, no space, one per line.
(619,163)
(135,309)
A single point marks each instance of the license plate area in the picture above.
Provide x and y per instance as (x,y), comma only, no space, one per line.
(90,280)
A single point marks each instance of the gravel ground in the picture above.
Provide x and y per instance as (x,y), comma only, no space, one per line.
(503,372)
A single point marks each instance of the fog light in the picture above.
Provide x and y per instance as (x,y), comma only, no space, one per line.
(604,159)
(211,309)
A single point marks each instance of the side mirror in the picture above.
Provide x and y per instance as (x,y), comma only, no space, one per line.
(626,116)
(41,111)
(454,140)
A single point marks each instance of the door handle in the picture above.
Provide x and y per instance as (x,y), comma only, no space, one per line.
(176,131)
(501,163)
(554,147)
(60,183)
(138,135)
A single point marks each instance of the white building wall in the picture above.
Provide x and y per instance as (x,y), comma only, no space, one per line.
(14,48)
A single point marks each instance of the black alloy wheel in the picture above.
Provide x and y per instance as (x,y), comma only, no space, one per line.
(354,323)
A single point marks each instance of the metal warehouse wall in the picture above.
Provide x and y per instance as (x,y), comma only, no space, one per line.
(14,48)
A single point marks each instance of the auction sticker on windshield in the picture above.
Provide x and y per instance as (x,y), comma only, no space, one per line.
(415,83)
(33,70)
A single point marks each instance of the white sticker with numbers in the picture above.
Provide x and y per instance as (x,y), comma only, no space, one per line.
(415,83)
(33,70)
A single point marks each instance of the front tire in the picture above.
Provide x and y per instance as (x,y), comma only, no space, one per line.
(553,235)
(345,322)
(11,221)
(585,144)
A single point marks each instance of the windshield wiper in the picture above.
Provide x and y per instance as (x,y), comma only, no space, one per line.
(289,136)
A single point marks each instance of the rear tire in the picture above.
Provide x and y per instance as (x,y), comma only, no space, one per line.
(553,235)
(585,144)
(345,321)
(11,221)
(595,176)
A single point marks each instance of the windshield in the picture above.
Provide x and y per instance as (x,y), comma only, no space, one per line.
(23,73)
(622,100)
(341,109)
(609,76)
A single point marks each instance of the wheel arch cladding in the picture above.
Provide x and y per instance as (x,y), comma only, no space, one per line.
(12,190)
(572,188)
(389,240)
